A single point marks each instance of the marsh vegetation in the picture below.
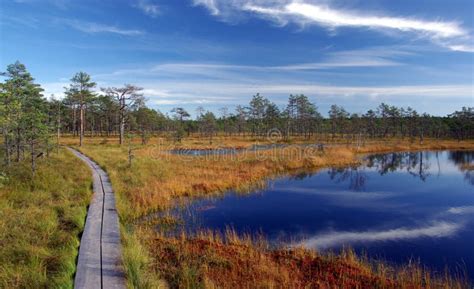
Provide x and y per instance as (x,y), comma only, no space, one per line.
(41,220)
(154,183)
(45,191)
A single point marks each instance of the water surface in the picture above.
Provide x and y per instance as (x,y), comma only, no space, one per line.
(233,151)
(396,207)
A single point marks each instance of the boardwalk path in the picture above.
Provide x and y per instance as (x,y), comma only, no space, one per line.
(100,257)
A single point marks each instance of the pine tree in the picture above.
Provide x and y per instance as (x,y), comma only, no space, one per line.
(24,117)
(80,90)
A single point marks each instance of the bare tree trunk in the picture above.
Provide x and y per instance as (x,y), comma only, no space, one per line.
(92,125)
(74,120)
(144,136)
(122,120)
(18,145)
(100,126)
(81,129)
(33,159)
(7,148)
(122,128)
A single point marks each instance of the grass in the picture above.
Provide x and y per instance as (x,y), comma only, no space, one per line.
(231,261)
(156,179)
(41,221)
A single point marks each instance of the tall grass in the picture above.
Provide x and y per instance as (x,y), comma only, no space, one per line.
(210,260)
(41,220)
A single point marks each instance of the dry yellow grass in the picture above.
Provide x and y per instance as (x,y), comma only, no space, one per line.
(156,178)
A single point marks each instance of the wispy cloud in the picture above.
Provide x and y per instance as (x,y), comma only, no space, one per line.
(191,83)
(326,16)
(461,47)
(148,7)
(216,83)
(339,194)
(374,57)
(461,210)
(93,27)
(28,21)
(452,34)
(336,239)
(211,5)
(54,88)
(175,89)
(238,93)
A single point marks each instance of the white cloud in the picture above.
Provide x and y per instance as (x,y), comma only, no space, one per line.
(209,4)
(461,210)
(28,21)
(371,57)
(231,84)
(173,91)
(220,83)
(217,80)
(223,83)
(306,12)
(327,16)
(92,27)
(353,58)
(54,88)
(238,93)
(340,194)
(336,239)
(149,8)
(462,48)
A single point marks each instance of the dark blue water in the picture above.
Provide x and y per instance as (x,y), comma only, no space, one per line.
(232,151)
(395,207)
(205,152)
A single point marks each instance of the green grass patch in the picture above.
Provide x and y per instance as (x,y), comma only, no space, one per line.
(41,220)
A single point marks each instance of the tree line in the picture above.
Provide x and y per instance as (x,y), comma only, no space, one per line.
(301,118)
(29,121)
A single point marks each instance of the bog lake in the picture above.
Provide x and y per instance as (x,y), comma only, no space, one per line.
(395,207)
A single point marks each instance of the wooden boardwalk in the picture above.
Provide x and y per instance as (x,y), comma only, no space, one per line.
(99,263)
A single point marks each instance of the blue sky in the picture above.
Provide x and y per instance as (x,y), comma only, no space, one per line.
(215,53)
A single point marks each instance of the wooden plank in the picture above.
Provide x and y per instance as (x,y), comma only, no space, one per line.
(111,268)
(100,257)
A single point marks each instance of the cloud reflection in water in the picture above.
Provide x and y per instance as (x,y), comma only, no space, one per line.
(335,239)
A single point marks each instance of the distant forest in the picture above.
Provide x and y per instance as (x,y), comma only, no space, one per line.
(29,121)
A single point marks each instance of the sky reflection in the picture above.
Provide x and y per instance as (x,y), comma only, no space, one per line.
(397,206)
